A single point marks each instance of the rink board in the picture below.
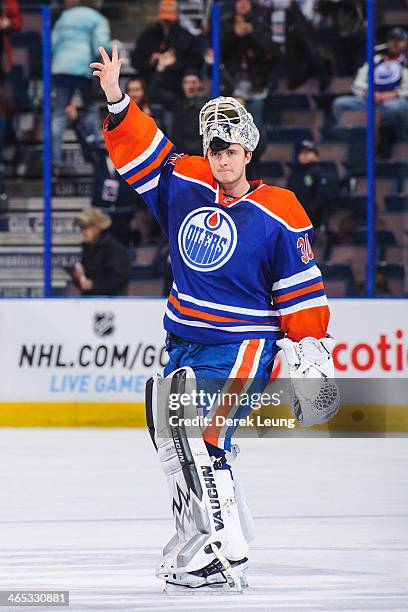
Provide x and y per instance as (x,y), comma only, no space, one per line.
(355,419)
(84,362)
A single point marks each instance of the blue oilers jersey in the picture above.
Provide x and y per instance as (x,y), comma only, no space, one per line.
(243,268)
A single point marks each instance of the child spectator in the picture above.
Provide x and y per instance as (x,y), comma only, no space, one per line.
(136,90)
(185,110)
(311,183)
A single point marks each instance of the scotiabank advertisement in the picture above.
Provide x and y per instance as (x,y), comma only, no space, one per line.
(104,350)
(372,337)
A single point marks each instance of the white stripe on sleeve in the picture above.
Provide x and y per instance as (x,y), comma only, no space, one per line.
(149,185)
(296,279)
(141,158)
(313,303)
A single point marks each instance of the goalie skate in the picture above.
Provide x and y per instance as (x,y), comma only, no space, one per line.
(217,577)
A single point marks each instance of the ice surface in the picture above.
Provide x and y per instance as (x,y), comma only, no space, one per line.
(86,510)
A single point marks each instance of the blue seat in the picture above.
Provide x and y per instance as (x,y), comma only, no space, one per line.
(383,237)
(343,134)
(280,102)
(289,134)
(353,203)
(391,169)
(31,41)
(338,272)
(19,87)
(356,139)
(395,5)
(392,270)
(143,272)
(396,203)
(144,263)
(271,168)
(394,275)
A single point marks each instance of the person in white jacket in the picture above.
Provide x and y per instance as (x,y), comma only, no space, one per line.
(391,86)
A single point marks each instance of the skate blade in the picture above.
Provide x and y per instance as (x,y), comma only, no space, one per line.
(177,590)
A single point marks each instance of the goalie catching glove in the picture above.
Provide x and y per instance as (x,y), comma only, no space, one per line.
(314,395)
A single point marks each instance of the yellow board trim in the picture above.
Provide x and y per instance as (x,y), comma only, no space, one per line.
(362,419)
(358,419)
(72,414)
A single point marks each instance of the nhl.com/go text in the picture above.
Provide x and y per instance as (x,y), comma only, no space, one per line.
(120,365)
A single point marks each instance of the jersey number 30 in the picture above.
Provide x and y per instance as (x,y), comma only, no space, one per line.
(304,245)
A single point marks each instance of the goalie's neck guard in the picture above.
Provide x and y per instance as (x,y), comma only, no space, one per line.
(227,119)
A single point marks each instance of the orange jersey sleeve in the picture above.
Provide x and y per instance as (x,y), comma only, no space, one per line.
(298,294)
(139,150)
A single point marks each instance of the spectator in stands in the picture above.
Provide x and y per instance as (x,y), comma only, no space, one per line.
(110,193)
(76,36)
(278,10)
(341,32)
(227,83)
(311,183)
(136,90)
(3,110)
(193,16)
(304,56)
(104,267)
(10,21)
(185,109)
(391,89)
(168,42)
(249,54)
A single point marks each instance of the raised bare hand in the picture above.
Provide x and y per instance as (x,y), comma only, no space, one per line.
(108,73)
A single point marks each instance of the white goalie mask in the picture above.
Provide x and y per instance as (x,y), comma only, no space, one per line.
(227,119)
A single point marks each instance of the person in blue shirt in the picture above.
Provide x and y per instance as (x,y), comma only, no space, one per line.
(76,36)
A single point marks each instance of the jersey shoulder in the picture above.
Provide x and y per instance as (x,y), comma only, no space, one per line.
(192,168)
(283,206)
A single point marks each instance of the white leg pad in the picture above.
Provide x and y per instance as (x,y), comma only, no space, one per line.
(236,546)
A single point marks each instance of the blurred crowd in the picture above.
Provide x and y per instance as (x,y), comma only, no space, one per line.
(11,21)
(169,68)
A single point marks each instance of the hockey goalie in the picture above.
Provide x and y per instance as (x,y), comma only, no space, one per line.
(245,286)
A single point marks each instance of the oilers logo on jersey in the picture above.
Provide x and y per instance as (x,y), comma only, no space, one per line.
(207,239)
(388,75)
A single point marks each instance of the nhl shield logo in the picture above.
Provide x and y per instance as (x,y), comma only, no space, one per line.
(103,323)
(207,239)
